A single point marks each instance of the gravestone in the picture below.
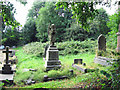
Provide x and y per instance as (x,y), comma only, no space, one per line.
(52,56)
(101,43)
(77,61)
(6,69)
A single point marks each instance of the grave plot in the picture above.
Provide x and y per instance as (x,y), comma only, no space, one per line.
(7,71)
(99,58)
(79,65)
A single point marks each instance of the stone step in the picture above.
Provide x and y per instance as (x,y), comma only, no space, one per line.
(53,66)
(53,62)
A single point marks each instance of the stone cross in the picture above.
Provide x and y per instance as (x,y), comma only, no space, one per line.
(101,43)
(51,34)
(7,54)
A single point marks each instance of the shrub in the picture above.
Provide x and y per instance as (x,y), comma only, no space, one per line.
(65,48)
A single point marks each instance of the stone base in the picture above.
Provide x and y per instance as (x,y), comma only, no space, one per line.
(53,67)
(52,59)
(103,60)
(7,69)
(118,50)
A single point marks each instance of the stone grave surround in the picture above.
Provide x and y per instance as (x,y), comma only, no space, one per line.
(80,62)
(102,47)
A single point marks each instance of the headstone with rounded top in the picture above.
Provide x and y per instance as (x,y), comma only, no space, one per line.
(102,43)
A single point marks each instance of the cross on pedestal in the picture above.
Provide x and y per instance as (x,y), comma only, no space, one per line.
(7,53)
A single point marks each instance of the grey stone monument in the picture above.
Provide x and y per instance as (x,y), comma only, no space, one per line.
(101,43)
(0,26)
(6,69)
(52,55)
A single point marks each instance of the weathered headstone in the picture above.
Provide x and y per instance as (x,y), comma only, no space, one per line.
(101,43)
(77,61)
(52,56)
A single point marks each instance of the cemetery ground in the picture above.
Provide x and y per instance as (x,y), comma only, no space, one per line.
(92,79)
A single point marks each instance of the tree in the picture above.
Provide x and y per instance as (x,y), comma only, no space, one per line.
(83,11)
(99,24)
(33,12)
(29,31)
(113,25)
(10,37)
(76,33)
(47,16)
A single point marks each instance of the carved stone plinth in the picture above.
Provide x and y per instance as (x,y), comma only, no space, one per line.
(52,58)
(6,69)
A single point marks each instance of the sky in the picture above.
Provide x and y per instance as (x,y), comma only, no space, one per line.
(22,10)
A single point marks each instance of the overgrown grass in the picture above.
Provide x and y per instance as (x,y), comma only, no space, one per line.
(27,61)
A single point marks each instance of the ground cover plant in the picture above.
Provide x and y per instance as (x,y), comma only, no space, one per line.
(96,78)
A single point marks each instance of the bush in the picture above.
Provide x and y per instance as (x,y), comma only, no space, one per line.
(65,48)
(34,48)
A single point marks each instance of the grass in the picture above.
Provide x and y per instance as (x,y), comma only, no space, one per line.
(78,79)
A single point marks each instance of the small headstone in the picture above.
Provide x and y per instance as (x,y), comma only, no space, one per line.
(71,71)
(12,54)
(84,64)
(77,61)
(45,78)
(101,43)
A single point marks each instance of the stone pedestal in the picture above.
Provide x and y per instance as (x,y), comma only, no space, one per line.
(118,40)
(6,69)
(52,58)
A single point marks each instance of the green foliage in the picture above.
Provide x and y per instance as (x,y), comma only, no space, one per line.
(75,47)
(8,14)
(65,48)
(113,25)
(34,48)
(29,31)
(33,12)
(10,37)
(76,33)
(99,24)
(81,10)
(47,16)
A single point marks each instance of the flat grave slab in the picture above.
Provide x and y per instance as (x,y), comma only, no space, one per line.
(6,77)
(103,60)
